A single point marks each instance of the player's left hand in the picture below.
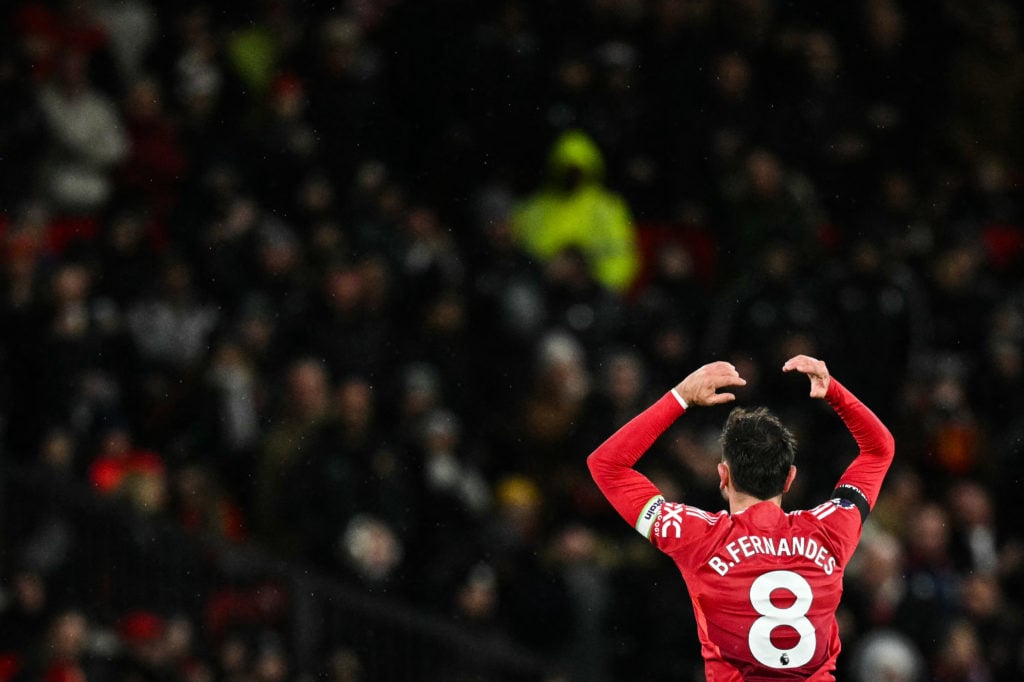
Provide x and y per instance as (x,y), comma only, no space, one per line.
(815,370)
(701,387)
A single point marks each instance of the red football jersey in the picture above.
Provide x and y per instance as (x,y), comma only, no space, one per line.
(764,584)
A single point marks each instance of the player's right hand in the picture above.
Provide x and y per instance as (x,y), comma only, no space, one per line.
(701,387)
(815,370)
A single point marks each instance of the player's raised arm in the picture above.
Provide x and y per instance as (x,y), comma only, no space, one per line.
(863,478)
(630,492)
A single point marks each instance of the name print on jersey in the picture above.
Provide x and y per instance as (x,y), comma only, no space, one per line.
(747,546)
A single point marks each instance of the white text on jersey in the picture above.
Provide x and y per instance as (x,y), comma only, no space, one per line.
(747,546)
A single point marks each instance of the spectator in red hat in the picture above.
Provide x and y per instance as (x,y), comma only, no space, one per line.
(146,654)
(119,460)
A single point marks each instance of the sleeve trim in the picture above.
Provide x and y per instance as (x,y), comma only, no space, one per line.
(679,399)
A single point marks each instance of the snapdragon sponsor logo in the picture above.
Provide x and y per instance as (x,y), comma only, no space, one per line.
(747,546)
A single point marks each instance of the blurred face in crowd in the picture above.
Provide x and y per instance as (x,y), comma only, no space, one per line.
(144,102)
(764,173)
(779,262)
(116,443)
(229,356)
(345,666)
(675,13)
(71,285)
(882,560)
(929,533)
(256,332)
(1008,360)
(562,373)
(441,433)
(981,596)
(30,591)
(732,77)
(58,450)
(961,651)
(192,487)
(754,18)
(355,404)
(341,42)
(519,506)
(446,316)
(280,256)
(884,24)
(575,75)
(576,544)
(177,280)
(897,193)
(422,223)
(478,597)
(568,269)
(147,491)
(126,232)
(867,257)
(624,379)
(271,665)
(344,289)
(821,56)
(971,504)
(289,98)
(372,549)
(377,277)
(68,636)
(955,269)
(234,656)
(307,384)
(316,195)
(675,263)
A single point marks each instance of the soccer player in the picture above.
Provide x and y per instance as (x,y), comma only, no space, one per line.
(764,583)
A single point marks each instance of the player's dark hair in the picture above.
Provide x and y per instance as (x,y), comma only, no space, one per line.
(759,451)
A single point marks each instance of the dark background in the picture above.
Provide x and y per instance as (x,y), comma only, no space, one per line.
(259,285)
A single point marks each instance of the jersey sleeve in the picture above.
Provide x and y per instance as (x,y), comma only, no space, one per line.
(632,494)
(683,531)
(841,520)
(860,483)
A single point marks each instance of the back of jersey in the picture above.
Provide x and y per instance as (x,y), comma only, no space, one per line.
(764,584)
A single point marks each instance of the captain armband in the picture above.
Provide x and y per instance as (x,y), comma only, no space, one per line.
(645,521)
(852,496)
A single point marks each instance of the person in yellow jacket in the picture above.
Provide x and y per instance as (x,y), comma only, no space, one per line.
(575,210)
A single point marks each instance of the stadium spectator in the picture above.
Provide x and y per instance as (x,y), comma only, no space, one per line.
(86,138)
(26,615)
(887,655)
(63,652)
(574,210)
(156,161)
(301,412)
(273,244)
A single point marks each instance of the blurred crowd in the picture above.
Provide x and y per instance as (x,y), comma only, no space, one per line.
(362,283)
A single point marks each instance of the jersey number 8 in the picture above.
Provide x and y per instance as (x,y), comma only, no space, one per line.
(772,617)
